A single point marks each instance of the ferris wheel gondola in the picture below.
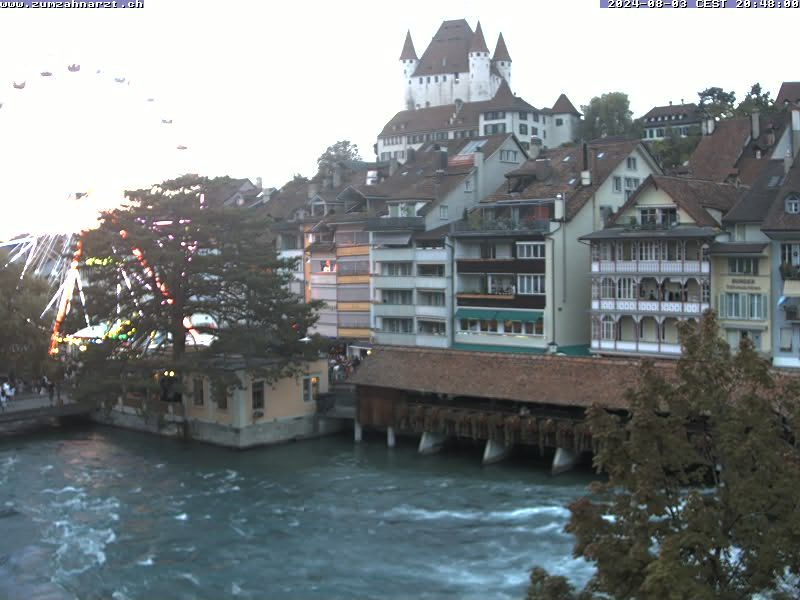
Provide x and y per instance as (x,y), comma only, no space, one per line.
(74,68)
(46,74)
(19,85)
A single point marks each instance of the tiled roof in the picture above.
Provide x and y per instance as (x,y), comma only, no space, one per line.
(757,199)
(444,117)
(501,51)
(716,155)
(737,248)
(790,91)
(558,171)
(564,107)
(694,196)
(693,112)
(408,49)
(447,52)
(478,43)
(517,377)
(777,218)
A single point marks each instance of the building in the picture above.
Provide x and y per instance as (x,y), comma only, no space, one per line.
(411,257)
(651,266)
(681,119)
(457,91)
(517,253)
(455,65)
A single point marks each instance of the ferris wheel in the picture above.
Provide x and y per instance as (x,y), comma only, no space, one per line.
(84,129)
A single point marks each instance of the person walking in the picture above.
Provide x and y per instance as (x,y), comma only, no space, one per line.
(51,391)
(3,390)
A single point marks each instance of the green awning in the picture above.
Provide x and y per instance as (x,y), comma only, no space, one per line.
(499,315)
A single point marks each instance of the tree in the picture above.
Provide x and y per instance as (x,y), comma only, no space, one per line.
(701,496)
(755,100)
(24,336)
(607,115)
(717,102)
(675,149)
(341,150)
(167,264)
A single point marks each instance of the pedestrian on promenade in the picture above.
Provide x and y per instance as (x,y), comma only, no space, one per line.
(3,389)
(51,391)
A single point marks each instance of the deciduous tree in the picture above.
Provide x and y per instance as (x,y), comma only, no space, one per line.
(717,102)
(701,497)
(607,115)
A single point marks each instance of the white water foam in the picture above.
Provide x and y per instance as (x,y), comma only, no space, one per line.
(182,517)
(147,561)
(189,577)
(510,515)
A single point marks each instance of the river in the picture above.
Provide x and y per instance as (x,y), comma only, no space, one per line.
(103,513)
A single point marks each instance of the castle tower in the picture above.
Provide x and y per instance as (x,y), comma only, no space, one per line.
(408,62)
(479,68)
(502,59)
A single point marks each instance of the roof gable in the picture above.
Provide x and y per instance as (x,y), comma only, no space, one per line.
(564,107)
(447,51)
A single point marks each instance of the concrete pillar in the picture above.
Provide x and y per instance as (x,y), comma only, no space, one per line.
(390,439)
(357,432)
(495,452)
(431,443)
(564,460)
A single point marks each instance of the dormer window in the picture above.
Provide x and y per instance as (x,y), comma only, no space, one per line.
(793,205)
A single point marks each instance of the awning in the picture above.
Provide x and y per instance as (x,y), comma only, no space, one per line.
(791,288)
(391,238)
(499,315)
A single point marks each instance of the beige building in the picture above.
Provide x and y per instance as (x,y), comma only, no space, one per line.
(258,412)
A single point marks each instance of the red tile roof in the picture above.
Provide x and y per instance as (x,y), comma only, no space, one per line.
(777,218)
(564,107)
(478,43)
(716,155)
(408,49)
(693,112)
(554,380)
(501,51)
(789,92)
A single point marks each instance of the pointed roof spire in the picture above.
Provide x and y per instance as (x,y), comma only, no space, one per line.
(564,107)
(478,43)
(408,49)
(500,51)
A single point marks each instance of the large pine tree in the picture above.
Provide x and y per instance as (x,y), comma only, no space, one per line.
(169,269)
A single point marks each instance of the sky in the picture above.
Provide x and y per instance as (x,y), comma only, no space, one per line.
(260,89)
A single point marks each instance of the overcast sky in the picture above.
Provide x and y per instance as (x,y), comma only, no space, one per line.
(259,88)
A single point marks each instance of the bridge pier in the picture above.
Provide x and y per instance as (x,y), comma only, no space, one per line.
(564,460)
(390,437)
(431,443)
(495,452)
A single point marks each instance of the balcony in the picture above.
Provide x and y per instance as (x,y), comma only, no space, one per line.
(651,266)
(432,311)
(432,254)
(481,225)
(394,339)
(323,279)
(500,265)
(636,347)
(649,306)
(396,223)
(394,282)
(390,254)
(431,283)
(790,272)
(381,309)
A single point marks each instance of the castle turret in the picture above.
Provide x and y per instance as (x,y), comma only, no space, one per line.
(408,62)
(502,59)
(479,67)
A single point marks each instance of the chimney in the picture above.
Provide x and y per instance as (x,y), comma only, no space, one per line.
(755,125)
(393,166)
(586,173)
(411,155)
(795,132)
(710,124)
(558,208)
(259,183)
(534,151)
(337,176)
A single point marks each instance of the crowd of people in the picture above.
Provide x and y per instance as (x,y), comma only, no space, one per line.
(13,387)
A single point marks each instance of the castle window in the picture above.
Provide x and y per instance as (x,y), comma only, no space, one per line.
(428,79)
(420,79)
(559,122)
(436,79)
(534,131)
(523,129)
(444,77)
(536,117)
(523,116)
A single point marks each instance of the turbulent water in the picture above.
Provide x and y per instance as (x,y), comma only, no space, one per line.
(104,513)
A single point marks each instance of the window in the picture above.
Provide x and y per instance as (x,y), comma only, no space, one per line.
(430,270)
(649,251)
(396,269)
(658,216)
(790,254)
(534,131)
(468,185)
(508,155)
(523,129)
(222,400)
(494,115)
(631,183)
(431,298)
(432,327)
(397,297)
(523,116)
(392,325)
(752,307)
(535,117)
(607,329)
(444,77)
(793,205)
(786,339)
(420,80)
(197,391)
(607,288)
(659,132)
(257,395)
(617,184)
(647,216)
(310,388)
(495,128)
(530,284)
(443,211)
(530,250)
(428,79)
(559,122)
(739,232)
(757,307)
(743,266)
(436,79)
(626,288)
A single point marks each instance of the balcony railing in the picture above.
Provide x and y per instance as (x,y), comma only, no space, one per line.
(400,223)
(650,306)
(640,347)
(651,266)
(789,271)
(501,225)
(502,295)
